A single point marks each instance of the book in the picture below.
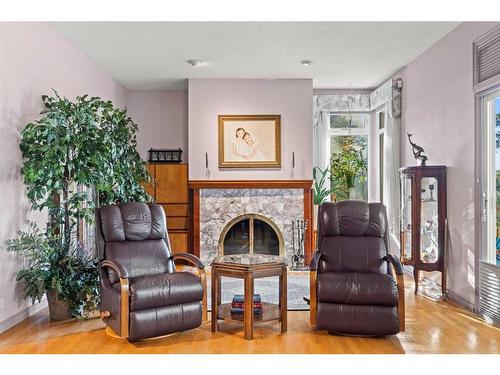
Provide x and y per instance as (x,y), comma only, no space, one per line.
(241,298)
(242,305)
(238,304)
(238,310)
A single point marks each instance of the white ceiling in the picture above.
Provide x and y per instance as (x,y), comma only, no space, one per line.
(152,55)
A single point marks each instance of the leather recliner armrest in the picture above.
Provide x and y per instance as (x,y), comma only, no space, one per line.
(117,267)
(313,266)
(189,258)
(398,267)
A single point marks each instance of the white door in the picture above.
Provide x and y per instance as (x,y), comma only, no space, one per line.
(490,124)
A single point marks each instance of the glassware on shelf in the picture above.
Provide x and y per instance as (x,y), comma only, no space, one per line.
(431,190)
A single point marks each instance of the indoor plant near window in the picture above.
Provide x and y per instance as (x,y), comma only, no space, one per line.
(320,190)
(345,166)
(74,146)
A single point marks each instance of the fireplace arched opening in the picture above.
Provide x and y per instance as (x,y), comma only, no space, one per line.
(251,234)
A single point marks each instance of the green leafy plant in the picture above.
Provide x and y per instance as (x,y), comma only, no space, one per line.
(75,146)
(345,166)
(320,190)
(49,266)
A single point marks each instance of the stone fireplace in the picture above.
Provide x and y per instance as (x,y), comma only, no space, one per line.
(241,217)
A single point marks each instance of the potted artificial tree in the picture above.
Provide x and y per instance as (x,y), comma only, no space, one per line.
(345,166)
(77,155)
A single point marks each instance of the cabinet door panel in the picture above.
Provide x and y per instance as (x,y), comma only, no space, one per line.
(176,210)
(172,183)
(177,223)
(179,242)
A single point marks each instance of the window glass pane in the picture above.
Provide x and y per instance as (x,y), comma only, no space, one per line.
(429,241)
(497,173)
(381,165)
(381,120)
(406,217)
(337,142)
(341,120)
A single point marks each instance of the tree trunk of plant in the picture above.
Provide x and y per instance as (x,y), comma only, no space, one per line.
(58,309)
(67,230)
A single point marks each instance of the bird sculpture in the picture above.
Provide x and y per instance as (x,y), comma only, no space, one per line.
(418,151)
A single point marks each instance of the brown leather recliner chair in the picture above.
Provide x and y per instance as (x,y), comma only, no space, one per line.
(142,295)
(353,289)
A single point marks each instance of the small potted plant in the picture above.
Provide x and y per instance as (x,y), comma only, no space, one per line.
(320,190)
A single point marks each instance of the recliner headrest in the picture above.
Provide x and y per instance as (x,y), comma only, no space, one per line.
(352,218)
(132,221)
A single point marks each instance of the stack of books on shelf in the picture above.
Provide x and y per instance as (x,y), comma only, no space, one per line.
(238,304)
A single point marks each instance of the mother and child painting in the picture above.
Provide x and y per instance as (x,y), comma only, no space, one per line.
(245,147)
(249,141)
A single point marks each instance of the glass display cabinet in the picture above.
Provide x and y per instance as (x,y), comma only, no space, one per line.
(423,220)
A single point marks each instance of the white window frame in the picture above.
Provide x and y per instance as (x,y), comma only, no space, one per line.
(379,132)
(367,131)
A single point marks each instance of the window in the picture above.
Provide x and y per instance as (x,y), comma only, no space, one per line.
(350,129)
(380,153)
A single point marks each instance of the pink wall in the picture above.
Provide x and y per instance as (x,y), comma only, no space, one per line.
(33,59)
(291,98)
(438,108)
(162,118)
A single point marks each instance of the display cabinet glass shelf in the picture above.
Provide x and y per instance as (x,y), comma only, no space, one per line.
(423,220)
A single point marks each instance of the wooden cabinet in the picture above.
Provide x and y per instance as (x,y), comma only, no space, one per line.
(423,220)
(171,183)
(171,192)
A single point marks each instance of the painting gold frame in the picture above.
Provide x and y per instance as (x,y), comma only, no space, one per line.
(274,162)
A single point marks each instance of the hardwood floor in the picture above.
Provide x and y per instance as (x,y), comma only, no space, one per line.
(431,327)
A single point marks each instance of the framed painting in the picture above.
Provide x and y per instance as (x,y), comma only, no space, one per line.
(249,141)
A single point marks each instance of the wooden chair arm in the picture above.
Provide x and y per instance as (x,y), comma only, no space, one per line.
(399,271)
(313,299)
(124,296)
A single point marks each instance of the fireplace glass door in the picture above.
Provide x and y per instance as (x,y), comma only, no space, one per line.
(250,235)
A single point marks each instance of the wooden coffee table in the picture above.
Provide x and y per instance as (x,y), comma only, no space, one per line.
(249,267)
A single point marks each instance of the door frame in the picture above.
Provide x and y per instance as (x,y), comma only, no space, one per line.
(480,227)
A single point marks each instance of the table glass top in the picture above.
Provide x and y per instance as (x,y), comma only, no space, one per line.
(249,259)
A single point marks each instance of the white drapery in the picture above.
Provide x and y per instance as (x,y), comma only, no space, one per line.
(320,139)
(388,96)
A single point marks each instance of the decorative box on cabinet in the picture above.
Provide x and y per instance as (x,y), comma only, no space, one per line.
(423,220)
(171,192)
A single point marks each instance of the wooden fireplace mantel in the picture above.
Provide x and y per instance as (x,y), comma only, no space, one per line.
(196,185)
(250,184)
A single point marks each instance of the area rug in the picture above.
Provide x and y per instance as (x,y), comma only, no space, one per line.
(298,288)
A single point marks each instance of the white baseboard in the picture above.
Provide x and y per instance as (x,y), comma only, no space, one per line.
(460,301)
(22,315)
